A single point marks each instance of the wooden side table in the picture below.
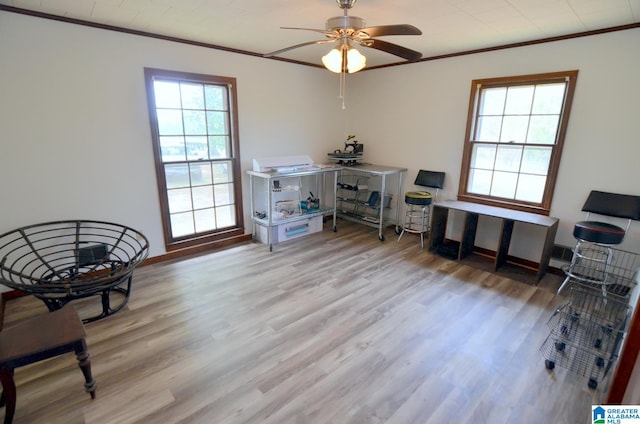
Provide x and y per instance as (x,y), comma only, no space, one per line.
(39,338)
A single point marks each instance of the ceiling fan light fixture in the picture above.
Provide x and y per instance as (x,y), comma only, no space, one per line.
(355,60)
(333,60)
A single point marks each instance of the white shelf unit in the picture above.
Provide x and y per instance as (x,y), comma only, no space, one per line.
(356,183)
(275,202)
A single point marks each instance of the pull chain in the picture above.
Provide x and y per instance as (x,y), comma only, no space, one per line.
(343,88)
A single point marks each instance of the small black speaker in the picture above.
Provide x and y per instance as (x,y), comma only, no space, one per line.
(91,254)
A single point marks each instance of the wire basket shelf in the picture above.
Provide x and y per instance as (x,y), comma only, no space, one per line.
(586,333)
(598,266)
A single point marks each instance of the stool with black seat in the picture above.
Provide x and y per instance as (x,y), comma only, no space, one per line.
(592,255)
(39,338)
(417,209)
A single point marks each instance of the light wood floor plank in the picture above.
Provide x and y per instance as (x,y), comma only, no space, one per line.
(330,328)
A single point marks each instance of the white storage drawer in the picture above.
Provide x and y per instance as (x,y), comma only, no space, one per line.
(289,230)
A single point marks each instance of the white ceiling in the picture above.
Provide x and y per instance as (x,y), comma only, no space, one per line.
(448,26)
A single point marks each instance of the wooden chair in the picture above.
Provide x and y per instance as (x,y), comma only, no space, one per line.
(39,338)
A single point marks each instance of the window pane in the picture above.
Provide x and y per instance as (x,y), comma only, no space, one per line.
(172,149)
(543,129)
(167,94)
(179,200)
(535,160)
(219,147)
(504,184)
(177,175)
(225,216)
(514,129)
(223,194)
(197,148)
(488,128)
(200,174)
(169,122)
(508,158)
(217,123)
(483,156)
(492,102)
(519,100)
(222,172)
(192,96)
(205,220)
(216,97)
(531,188)
(548,99)
(181,224)
(195,122)
(480,181)
(202,197)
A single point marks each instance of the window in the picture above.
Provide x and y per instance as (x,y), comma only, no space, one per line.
(194,131)
(515,132)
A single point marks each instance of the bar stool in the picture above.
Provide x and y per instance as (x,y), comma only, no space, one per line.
(592,255)
(417,210)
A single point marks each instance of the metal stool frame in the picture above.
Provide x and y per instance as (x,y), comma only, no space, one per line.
(429,179)
(591,255)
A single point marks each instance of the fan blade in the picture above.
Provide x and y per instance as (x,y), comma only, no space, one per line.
(394,49)
(401,29)
(286,49)
(321,31)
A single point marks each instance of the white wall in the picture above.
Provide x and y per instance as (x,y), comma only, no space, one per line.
(76,139)
(74,127)
(415,116)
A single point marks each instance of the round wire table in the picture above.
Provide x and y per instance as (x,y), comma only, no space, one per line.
(61,261)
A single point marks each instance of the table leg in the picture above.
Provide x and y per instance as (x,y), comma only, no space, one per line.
(504,241)
(438,227)
(85,366)
(468,235)
(383,189)
(8,394)
(545,258)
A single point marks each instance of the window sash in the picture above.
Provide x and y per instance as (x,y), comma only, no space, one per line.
(194,126)
(514,138)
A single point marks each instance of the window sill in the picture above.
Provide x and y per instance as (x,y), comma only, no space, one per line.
(501,203)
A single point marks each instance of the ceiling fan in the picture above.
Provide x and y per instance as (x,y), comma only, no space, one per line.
(345,30)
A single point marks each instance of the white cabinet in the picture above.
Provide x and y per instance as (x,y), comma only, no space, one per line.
(288,205)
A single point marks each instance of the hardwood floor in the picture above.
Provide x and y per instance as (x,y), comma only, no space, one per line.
(329,328)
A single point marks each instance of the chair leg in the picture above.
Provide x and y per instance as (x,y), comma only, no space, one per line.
(85,366)
(569,272)
(607,268)
(404,223)
(564,283)
(421,228)
(8,394)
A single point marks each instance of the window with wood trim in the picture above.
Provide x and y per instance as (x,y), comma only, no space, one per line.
(195,141)
(513,143)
